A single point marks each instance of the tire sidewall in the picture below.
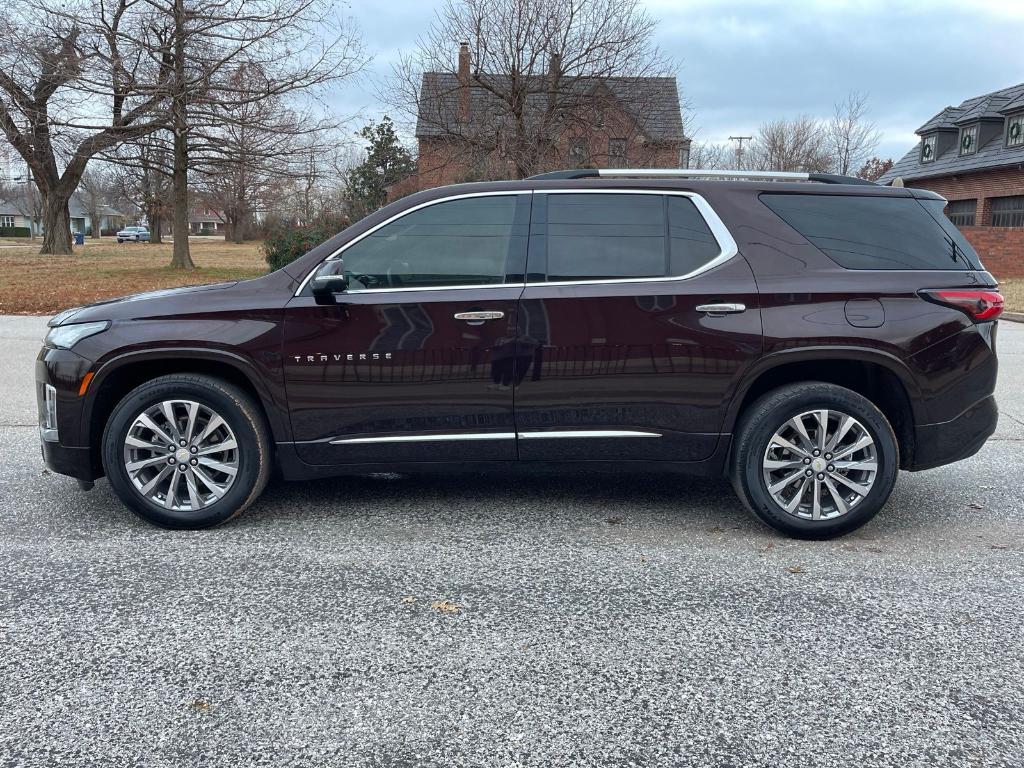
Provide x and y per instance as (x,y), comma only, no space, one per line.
(813,398)
(221,402)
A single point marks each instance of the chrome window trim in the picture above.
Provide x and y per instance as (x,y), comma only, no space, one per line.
(337,254)
(724,238)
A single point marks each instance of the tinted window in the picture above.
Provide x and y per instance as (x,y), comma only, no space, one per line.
(460,242)
(692,244)
(876,232)
(599,236)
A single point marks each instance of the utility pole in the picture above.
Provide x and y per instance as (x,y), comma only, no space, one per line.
(739,148)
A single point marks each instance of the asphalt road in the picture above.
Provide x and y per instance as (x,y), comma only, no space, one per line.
(599,621)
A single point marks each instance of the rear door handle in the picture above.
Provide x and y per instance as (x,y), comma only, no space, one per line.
(478,317)
(721,309)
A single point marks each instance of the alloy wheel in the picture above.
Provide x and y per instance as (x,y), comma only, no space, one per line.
(820,464)
(181,455)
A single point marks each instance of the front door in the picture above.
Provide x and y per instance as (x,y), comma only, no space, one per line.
(415,361)
(635,340)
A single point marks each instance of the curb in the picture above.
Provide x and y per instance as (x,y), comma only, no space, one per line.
(1016,317)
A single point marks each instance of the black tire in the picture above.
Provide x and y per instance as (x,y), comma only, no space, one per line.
(757,427)
(241,414)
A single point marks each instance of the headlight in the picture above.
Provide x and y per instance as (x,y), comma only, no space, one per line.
(66,336)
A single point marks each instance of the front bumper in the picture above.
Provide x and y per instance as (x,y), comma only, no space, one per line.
(938,444)
(65,444)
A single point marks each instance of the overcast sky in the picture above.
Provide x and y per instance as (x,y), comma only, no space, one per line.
(742,62)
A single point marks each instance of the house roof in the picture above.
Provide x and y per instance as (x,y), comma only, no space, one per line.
(994,106)
(653,101)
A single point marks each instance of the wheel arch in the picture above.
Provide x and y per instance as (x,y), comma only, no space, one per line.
(880,377)
(119,376)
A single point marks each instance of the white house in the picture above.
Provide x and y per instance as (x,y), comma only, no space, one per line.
(17,212)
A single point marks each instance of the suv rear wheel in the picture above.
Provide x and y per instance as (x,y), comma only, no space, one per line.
(814,460)
(186,451)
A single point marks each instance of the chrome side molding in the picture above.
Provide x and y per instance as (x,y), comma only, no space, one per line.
(451,437)
(578,433)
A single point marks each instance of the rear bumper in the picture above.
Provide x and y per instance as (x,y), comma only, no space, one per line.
(938,444)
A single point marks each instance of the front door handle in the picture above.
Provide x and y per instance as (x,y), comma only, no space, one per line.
(717,310)
(478,317)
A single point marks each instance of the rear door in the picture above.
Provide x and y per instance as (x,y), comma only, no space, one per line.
(414,362)
(635,324)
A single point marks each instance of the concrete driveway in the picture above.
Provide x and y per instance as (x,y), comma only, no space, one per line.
(510,621)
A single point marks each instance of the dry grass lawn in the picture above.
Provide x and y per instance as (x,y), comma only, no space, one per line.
(31,284)
(1013,292)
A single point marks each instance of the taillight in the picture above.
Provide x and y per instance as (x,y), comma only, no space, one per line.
(978,304)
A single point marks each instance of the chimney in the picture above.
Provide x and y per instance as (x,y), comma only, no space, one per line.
(463,83)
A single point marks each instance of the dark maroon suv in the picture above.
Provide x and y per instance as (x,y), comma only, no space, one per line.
(805,336)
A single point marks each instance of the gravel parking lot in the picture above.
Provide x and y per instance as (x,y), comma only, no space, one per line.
(507,621)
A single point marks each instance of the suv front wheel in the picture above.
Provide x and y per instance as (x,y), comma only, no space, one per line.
(186,451)
(814,460)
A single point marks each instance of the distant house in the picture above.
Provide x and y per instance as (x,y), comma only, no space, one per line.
(620,122)
(973,155)
(204,220)
(18,212)
(110,219)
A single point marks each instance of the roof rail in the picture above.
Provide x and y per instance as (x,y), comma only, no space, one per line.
(699,173)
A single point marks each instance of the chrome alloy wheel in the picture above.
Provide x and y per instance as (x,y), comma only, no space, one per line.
(181,455)
(820,464)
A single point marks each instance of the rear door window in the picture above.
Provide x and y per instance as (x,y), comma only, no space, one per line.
(876,232)
(601,236)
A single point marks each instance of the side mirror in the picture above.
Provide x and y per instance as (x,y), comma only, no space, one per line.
(328,281)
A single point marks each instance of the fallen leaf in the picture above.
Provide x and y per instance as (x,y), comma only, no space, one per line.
(768,547)
(975,505)
(445,606)
(716,529)
(795,569)
(201,705)
(998,546)
(408,599)
(643,558)
(615,520)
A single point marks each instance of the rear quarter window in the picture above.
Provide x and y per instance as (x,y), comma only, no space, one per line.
(876,232)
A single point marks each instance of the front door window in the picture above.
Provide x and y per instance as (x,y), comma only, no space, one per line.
(454,243)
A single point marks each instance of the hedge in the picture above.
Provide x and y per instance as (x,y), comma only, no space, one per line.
(15,232)
(285,244)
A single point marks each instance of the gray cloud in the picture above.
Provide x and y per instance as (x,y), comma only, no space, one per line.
(746,61)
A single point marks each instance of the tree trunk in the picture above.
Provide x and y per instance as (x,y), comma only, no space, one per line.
(56,225)
(96,224)
(180,258)
(156,225)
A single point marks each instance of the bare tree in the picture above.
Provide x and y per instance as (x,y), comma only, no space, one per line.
(874,169)
(798,144)
(94,190)
(74,82)
(709,155)
(283,47)
(540,65)
(850,136)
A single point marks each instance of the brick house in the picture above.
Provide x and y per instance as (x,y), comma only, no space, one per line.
(973,155)
(464,131)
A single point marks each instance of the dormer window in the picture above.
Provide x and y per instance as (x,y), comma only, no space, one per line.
(969,140)
(1015,131)
(928,149)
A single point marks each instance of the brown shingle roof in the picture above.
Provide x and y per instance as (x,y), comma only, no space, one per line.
(654,101)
